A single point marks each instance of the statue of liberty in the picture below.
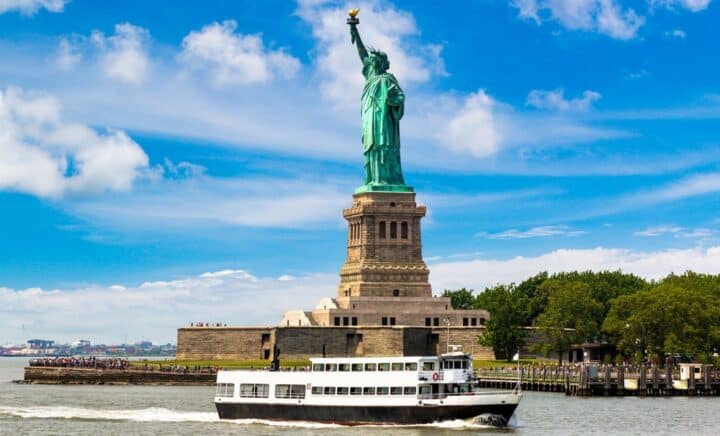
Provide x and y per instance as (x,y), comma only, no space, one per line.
(383,104)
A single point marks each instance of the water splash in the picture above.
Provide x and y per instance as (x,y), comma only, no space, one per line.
(158,414)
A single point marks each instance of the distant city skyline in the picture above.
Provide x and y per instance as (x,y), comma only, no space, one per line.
(165,163)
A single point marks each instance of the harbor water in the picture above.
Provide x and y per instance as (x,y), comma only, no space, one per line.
(168,410)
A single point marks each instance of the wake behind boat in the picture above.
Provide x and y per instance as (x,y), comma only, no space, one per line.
(354,391)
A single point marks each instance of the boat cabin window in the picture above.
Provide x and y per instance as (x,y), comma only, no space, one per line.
(368,391)
(383,367)
(225,390)
(370,367)
(425,390)
(317,390)
(383,390)
(344,367)
(410,390)
(318,367)
(342,391)
(411,366)
(289,391)
(357,366)
(455,364)
(396,390)
(249,390)
(331,367)
(355,391)
(428,366)
(397,366)
(329,391)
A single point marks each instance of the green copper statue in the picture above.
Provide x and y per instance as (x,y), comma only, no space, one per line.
(383,104)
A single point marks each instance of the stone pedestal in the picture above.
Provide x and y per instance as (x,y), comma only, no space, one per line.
(384,248)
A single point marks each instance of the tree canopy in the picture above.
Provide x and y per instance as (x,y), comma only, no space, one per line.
(679,314)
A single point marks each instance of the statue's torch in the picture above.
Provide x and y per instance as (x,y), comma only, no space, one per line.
(353,21)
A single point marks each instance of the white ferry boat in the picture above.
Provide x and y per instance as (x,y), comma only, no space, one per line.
(354,391)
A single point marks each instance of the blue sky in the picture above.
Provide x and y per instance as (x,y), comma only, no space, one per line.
(167,162)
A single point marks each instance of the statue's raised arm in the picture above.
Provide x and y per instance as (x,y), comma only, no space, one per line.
(355,35)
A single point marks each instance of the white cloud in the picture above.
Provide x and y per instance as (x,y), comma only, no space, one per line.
(67,55)
(234,58)
(698,184)
(691,5)
(44,156)
(29,7)
(555,100)
(676,231)
(480,273)
(535,232)
(199,200)
(603,16)
(677,33)
(157,308)
(474,127)
(124,55)
(381,26)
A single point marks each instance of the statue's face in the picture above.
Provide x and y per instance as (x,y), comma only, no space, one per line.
(377,63)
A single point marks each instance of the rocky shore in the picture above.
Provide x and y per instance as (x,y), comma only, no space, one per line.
(128,376)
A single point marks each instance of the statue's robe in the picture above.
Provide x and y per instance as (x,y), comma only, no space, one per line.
(383,104)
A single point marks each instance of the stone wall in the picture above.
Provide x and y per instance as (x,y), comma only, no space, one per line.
(217,343)
(50,375)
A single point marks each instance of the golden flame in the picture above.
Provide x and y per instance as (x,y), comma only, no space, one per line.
(353,12)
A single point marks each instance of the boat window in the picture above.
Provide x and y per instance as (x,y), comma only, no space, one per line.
(368,391)
(344,367)
(357,366)
(410,390)
(370,366)
(329,391)
(249,390)
(289,391)
(384,367)
(383,390)
(428,366)
(331,367)
(396,390)
(411,366)
(458,364)
(317,390)
(355,391)
(225,390)
(425,390)
(397,366)
(342,391)
(318,367)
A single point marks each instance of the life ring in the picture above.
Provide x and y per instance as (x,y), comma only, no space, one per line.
(436,376)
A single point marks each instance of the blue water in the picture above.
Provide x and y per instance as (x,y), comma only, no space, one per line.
(171,410)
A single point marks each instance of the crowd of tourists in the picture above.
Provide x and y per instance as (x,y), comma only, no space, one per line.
(207,324)
(81,362)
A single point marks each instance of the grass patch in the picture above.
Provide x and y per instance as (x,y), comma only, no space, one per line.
(492,364)
(229,364)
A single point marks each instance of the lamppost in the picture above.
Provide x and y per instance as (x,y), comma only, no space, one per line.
(447,346)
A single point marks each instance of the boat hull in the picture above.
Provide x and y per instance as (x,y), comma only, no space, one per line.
(358,415)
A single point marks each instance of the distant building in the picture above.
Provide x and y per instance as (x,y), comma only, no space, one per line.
(40,344)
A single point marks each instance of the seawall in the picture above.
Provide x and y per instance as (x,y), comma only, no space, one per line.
(59,376)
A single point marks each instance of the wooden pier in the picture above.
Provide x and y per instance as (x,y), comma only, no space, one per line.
(608,380)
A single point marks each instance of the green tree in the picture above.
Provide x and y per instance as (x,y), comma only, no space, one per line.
(529,290)
(461,298)
(508,311)
(570,315)
(680,314)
